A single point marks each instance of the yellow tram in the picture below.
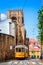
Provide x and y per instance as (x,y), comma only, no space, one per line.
(21,51)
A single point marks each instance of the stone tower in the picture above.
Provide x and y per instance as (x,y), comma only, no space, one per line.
(18,18)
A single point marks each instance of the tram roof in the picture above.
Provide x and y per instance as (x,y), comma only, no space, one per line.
(21,46)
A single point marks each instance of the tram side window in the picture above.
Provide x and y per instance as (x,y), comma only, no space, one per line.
(23,50)
(17,50)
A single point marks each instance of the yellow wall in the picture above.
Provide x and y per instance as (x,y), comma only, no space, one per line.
(36,53)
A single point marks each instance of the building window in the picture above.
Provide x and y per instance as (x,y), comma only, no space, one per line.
(32,51)
(37,56)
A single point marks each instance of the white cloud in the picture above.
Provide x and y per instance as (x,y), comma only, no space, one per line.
(3,17)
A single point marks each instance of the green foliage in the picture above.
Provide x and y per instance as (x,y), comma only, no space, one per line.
(40,25)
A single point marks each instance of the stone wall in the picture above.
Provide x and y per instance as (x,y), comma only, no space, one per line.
(5,42)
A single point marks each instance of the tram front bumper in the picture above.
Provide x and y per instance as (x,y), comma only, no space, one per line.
(19,55)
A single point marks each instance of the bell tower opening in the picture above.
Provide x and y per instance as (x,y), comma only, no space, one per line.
(13,18)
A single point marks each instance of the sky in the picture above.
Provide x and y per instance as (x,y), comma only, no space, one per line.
(30,9)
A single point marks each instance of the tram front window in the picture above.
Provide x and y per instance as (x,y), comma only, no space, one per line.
(20,50)
(17,50)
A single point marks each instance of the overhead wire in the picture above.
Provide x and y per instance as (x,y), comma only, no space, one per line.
(24,4)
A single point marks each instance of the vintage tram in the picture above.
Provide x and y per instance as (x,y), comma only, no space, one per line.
(21,51)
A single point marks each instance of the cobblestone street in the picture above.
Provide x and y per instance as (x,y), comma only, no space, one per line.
(23,62)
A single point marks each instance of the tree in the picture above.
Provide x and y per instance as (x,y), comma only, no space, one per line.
(40,25)
(40,28)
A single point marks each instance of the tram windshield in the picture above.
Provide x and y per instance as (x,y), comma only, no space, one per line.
(23,50)
(20,50)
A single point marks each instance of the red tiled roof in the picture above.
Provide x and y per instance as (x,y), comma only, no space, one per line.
(31,40)
(34,45)
(31,47)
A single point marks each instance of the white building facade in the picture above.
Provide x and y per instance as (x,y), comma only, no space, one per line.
(7,27)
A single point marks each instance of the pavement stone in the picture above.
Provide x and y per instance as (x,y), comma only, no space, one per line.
(23,62)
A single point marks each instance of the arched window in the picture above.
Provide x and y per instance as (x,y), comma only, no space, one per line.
(14,18)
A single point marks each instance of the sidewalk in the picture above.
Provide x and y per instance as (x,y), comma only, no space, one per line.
(41,61)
